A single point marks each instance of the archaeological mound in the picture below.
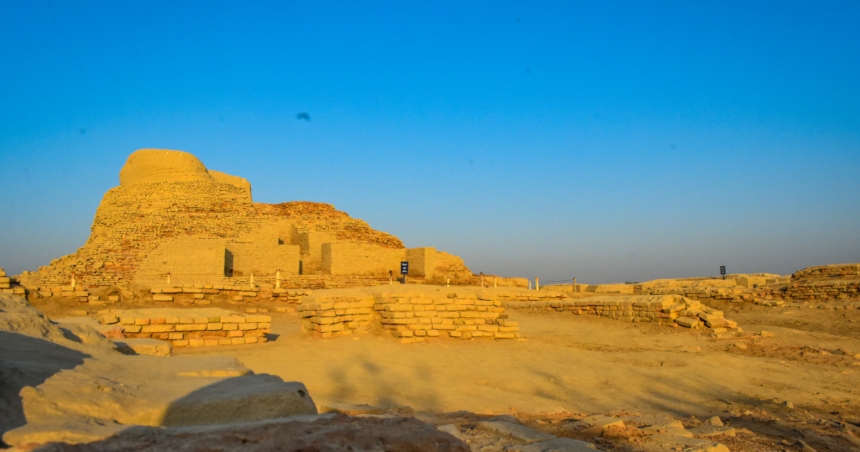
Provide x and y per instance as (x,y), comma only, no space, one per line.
(174,221)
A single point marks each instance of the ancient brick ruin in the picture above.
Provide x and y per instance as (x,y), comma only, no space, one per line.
(174,222)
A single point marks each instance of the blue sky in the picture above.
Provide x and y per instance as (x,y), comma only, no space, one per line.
(611,141)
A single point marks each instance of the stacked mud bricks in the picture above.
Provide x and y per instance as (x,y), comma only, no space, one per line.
(81,295)
(829,271)
(6,285)
(198,293)
(233,329)
(414,316)
(336,316)
(126,230)
(635,309)
(5,282)
(818,290)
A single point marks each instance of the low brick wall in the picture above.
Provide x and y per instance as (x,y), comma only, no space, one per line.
(664,309)
(416,316)
(199,294)
(336,316)
(5,282)
(9,285)
(191,327)
(828,271)
(817,290)
(797,291)
(410,316)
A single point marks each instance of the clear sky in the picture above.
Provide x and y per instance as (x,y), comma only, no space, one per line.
(611,141)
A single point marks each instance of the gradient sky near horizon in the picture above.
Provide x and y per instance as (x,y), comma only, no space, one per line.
(611,141)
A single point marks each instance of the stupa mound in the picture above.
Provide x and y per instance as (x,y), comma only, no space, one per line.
(173,221)
(148,166)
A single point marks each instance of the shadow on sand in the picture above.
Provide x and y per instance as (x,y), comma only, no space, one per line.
(28,361)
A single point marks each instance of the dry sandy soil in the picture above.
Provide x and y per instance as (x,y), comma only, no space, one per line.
(574,365)
(579,364)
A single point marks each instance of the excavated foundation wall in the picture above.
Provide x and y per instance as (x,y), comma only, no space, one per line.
(410,316)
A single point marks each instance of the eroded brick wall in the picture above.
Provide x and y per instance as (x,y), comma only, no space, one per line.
(345,258)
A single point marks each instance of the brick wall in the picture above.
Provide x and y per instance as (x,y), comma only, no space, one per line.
(263,259)
(345,258)
(414,316)
(191,327)
(132,221)
(828,271)
(187,259)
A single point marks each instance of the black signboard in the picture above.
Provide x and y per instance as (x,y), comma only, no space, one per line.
(723,270)
(404,268)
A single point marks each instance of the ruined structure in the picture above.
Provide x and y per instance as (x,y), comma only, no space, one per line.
(171,220)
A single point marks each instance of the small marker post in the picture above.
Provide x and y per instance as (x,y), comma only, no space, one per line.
(168,277)
(278,279)
(537,283)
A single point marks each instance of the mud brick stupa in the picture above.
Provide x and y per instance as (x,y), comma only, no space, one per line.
(172,219)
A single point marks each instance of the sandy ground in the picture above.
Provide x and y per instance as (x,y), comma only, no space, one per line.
(582,364)
(575,365)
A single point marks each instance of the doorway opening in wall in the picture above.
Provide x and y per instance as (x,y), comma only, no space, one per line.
(300,267)
(228,264)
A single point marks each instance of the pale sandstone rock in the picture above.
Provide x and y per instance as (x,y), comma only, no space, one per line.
(687,322)
(596,423)
(451,430)
(108,319)
(669,441)
(652,420)
(516,431)
(249,398)
(716,421)
(712,430)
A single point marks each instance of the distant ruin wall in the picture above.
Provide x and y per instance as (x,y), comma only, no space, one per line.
(828,271)
(344,258)
(187,259)
(166,196)
(245,259)
(418,258)
(320,217)
(235,181)
(433,264)
(443,264)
